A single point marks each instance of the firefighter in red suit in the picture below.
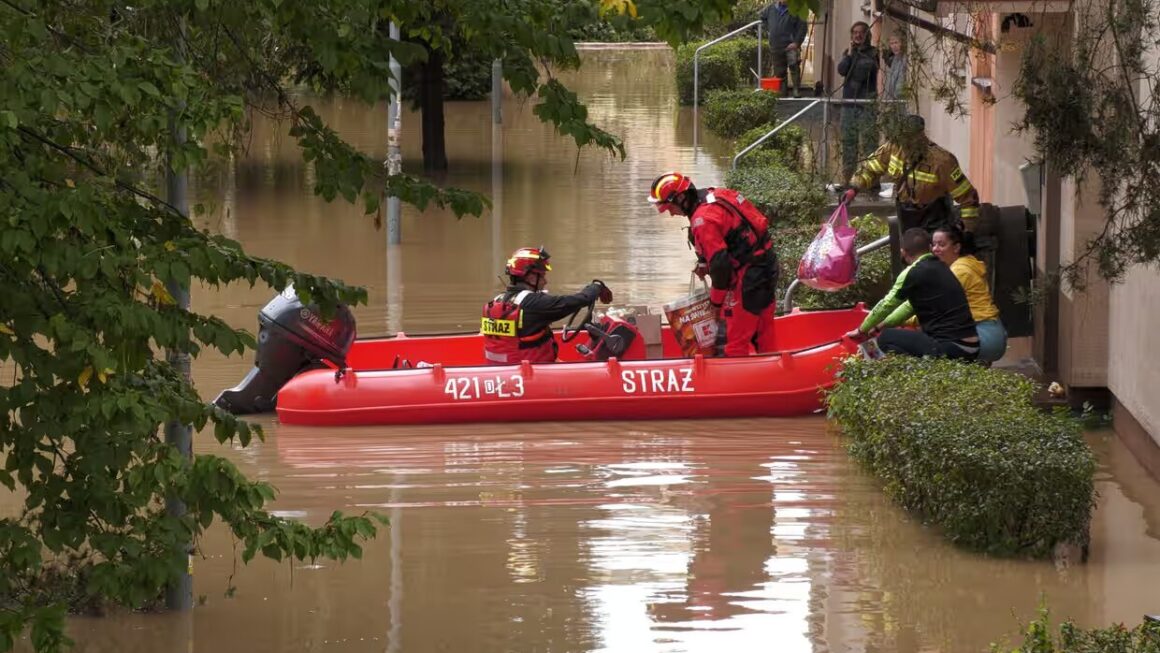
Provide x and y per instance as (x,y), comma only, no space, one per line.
(731,238)
(517,324)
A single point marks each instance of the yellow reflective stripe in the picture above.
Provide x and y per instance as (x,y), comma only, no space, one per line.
(864,179)
(970,212)
(927,177)
(962,189)
(957,174)
(874,165)
(895,166)
(493,327)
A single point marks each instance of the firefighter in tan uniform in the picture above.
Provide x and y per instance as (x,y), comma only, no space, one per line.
(926,179)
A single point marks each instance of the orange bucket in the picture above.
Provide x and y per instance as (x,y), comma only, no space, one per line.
(771,83)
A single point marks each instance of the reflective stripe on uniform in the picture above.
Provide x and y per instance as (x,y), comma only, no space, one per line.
(956,174)
(970,212)
(961,190)
(520,297)
(895,165)
(495,357)
(926,177)
(874,166)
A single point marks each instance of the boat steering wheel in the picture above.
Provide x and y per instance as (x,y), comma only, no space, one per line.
(571,328)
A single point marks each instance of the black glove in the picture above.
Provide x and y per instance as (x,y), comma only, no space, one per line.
(605,294)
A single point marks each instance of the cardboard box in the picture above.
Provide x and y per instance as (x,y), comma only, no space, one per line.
(650,328)
(648,323)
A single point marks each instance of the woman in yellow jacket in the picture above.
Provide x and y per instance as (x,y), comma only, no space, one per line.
(948,246)
(955,248)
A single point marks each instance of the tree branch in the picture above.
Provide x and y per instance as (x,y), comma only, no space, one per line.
(84,161)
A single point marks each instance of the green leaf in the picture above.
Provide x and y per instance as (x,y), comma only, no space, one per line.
(149,89)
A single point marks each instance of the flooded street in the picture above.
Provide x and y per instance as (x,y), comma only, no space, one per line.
(736,535)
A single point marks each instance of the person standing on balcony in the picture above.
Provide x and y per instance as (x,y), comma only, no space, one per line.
(892,84)
(859,67)
(786,35)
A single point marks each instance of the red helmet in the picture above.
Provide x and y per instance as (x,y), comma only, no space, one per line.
(666,188)
(526,260)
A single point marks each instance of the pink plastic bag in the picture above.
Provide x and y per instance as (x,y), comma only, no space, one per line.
(831,261)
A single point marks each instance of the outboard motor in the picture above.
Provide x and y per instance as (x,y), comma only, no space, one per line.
(291,338)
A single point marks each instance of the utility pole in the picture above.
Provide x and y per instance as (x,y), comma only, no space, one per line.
(394,155)
(497,92)
(496,162)
(179,592)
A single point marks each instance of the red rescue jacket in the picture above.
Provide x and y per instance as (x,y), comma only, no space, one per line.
(506,340)
(728,233)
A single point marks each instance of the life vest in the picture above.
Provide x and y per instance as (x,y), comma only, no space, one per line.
(504,340)
(748,240)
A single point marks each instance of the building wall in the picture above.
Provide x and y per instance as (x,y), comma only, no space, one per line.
(1134,312)
(1133,372)
(1011,149)
(1083,314)
(950,130)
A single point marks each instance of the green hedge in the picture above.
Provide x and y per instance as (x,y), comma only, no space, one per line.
(964,447)
(874,278)
(732,113)
(723,66)
(1037,638)
(787,147)
(783,195)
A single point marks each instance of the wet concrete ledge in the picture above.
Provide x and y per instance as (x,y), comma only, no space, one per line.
(628,45)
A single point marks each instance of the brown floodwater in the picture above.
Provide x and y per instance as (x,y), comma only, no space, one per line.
(603,536)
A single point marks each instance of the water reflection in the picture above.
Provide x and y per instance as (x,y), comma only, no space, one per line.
(665,536)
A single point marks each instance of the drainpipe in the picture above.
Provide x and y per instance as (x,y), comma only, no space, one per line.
(179,591)
(394,152)
(824,77)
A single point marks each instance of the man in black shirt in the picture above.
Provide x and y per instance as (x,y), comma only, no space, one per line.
(859,67)
(937,299)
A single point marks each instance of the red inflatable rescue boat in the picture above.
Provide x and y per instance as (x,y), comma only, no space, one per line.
(443,378)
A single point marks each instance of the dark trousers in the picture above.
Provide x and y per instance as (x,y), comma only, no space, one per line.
(917,343)
(931,217)
(859,137)
(791,76)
